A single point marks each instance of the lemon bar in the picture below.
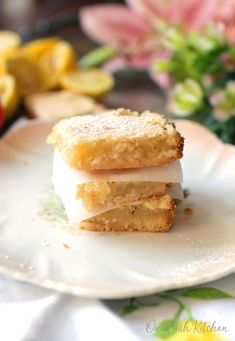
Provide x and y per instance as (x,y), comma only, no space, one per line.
(55,105)
(98,195)
(117,139)
(151,215)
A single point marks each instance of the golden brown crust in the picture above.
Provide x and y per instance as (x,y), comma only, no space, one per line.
(153,215)
(98,195)
(117,139)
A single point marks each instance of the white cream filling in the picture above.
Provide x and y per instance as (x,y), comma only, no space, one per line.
(66,180)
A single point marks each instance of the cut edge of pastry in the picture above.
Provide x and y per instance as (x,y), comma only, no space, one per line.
(162,211)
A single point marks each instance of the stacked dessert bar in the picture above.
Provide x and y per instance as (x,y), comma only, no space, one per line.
(118,171)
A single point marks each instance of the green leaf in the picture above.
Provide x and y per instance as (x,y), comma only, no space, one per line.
(231,52)
(206,294)
(129,309)
(163,65)
(97,57)
(167,328)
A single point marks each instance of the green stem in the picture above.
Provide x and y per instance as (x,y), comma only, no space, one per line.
(178,313)
(181,305)
(146,304)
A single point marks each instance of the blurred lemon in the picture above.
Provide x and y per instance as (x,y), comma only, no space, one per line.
(9,95)
(37,47)
(195,331)
(27,72)
(3,57)
(2,115)
(56,61)
(9,39)
(92,82)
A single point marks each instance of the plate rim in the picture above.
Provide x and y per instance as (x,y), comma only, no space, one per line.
(78,291)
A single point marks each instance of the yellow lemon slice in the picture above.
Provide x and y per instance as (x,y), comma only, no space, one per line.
(9,96)
(92,82)
(60,58)
(37,47)
(3,57)
(27,72)
(9,39)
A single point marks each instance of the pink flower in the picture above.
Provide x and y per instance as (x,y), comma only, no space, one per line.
(189,14)
(134,30)
(225,13)
(114,24)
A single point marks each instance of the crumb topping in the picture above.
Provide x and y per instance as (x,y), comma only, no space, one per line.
(120,123)
(188,211)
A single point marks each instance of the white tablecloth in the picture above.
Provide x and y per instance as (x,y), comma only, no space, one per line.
(30,313)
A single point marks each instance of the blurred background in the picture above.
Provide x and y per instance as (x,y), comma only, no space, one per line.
(35,19)
(40,18)
(176,57)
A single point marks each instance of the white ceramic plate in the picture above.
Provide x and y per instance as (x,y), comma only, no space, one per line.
(199,248)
